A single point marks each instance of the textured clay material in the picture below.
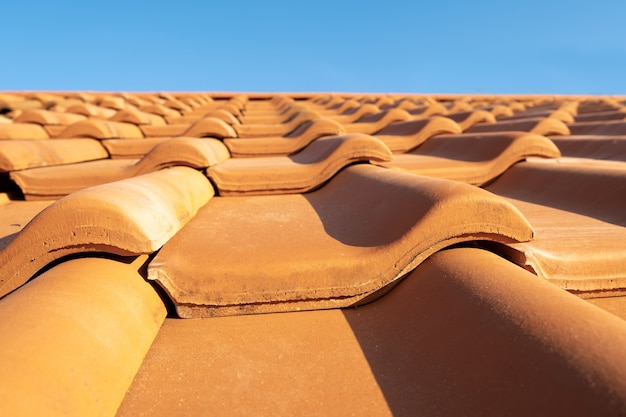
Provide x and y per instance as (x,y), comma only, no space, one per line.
(539,126)
(277,129)
(22,131)
(301,172)
(210,127)
(46,117)
(23,154)
(333,247)
(401,137)
(101,129)
(579,218)
(132,216)
(284,145)
(374,123)
(473,158)
(73,339)
(131,148)
(464,334)
(58,181)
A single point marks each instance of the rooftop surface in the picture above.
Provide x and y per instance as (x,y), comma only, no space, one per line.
(312,253)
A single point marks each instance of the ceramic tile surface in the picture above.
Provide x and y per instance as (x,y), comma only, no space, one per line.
(330,254)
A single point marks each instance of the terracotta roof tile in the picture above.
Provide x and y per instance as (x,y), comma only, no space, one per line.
(22,131)
(341,249)
(56,181)
(403,136)
(501,349)
(23,154)
(579,224)
(473,158)
(339,231)
(47,117)
(101,129)
(287,144)
(90,322)
(118,218)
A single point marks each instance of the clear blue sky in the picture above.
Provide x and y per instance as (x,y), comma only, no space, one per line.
(576,47)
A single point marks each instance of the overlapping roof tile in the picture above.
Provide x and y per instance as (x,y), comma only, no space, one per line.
(159,202)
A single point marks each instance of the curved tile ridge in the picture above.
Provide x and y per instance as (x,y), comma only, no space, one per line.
(470,118)
(301,172)
(374,123)
(285,145)
(58,181)
(225,115)
(91,110)
(22,131)
(477,320)
(360,232)
(353,114)
(276,129)
(137,117)
(473,158)
(101,129)
(578,212)
(190,152)
(210,127)
(401,137)
(132,216)
(539,126)
(46,117)
(23,154)
(85,324)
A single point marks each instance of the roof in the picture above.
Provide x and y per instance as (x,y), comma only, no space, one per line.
(335,254)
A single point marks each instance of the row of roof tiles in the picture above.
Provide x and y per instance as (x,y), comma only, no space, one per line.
(186,178)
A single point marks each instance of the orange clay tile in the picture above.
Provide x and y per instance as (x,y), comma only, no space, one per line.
(138,117)
(539,126)
(91,110)
(403,136)
(22,154)
(561,115)
(464,334)
(429,110)
(577,212)
(166,131)
(589,146)
(334,247)
(301,172)
(133,216)
(22,131)
(130,148)
(473,158)
(340,108)
(468,119)
(247,130)
(47,117)
(602,116)
(224,115)
(210,127)
(101,129)
(160,110)
(617,127)
(285,145)
(111,102)
(57,181)
(351,115)
(90,322)
(14,215)
(373,123)
(21,104)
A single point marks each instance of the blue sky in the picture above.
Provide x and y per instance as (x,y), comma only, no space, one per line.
(560,47)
